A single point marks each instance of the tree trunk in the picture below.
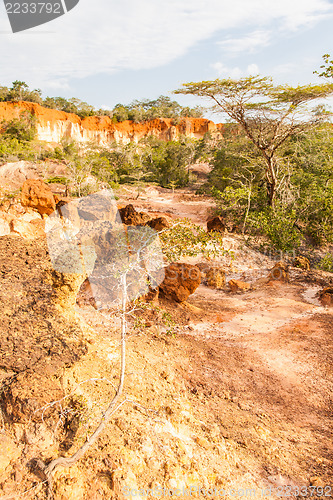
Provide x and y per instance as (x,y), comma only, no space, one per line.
(271,181)
(271,191)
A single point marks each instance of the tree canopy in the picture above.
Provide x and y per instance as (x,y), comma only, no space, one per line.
(268,114)
(327,67)
(137,110)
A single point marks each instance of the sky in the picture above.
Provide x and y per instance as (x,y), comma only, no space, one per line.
(107,52)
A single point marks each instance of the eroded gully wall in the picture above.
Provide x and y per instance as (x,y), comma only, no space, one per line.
(53,126)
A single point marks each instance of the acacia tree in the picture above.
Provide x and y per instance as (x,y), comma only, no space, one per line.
(327,67)
(268,114)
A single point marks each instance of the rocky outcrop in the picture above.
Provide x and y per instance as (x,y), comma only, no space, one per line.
(25,222)
(326,296)
(29,229)
(13,174)
(36,194)
(280,272)
(237,286)
(53,126)
(302,262)
(131,217)
(159,223)
(216,224)
(181,280)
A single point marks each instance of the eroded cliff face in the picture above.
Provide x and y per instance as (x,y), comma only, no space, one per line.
(53,126)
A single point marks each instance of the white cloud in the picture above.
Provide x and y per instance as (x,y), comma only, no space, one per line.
(252,69)
(287,68)
(249,43)
(236,72)
(106,36)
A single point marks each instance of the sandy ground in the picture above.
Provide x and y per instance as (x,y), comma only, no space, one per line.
(238,391)
(269,350)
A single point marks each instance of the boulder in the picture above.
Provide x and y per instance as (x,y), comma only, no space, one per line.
(216,224)
(28,230)
(36,194)
(4,227)
(216,277)
(159,223)
(13,175)
(181,280)
(237,286)
(279,272)
(302,262)
(95,207)
(151,296)
(132,217)
(326,296)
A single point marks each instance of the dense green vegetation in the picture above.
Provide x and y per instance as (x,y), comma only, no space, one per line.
(152,160)
(304,201)
(17,138)
(138,111)
(274,175)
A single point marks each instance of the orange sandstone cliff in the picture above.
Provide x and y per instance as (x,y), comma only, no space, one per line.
(54,125)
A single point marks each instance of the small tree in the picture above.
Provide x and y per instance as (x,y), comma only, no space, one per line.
(124,263)
(17,90)
(22,128)
(268,114)
(327,67)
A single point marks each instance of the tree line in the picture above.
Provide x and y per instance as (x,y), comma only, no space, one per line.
(137,111)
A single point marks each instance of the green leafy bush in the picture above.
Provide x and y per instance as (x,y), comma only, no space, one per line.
(279,227)
(326,263)
(13,150)
(22,128)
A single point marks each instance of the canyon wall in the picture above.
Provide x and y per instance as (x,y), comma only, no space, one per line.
(54,125)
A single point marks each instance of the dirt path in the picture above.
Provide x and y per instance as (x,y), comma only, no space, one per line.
(262,360)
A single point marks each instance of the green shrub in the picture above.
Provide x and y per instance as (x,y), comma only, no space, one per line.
(326,263)
(58,180)
(13,150)
(279,227)
(23,128)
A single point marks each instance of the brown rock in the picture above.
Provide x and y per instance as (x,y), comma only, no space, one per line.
(216,224)
(202,442)
(151,296)
(131,217)
(66,287)
(36,194)
(95,207)
(318,482)
(28,230)
(279,272)
(302,262)
(4,227)
(326,296)
(159,223)
(180,281)
(237,286)
(215,277)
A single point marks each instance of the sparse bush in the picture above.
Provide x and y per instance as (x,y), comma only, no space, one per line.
(326,263)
